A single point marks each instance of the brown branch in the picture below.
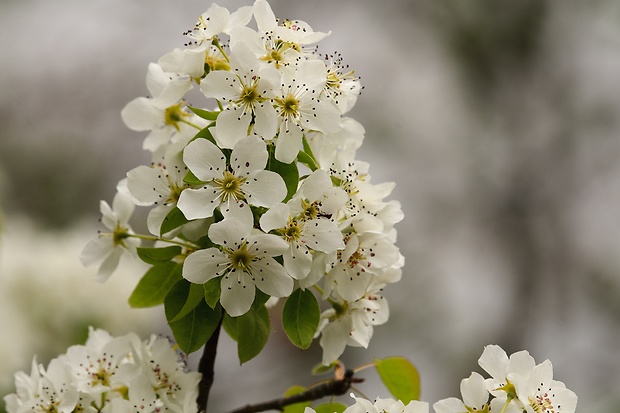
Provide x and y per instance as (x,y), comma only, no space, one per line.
(205,366)
(334,387)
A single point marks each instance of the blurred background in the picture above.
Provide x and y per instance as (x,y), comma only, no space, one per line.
(498,120)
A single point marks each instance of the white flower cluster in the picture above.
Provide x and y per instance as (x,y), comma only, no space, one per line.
(388,405)
(108,374)
(517,385)
(268,176)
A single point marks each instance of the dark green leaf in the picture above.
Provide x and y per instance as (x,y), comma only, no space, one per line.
(155,285)
(205,114)
(330,408)
(158,255)
(297,407)
(173,220)
(400,377)
(252,333)
(212,290)
(195,295)
(193,330)
(231,326)
(300,317)
(288,172)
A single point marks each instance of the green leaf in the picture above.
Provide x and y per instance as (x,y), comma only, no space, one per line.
(231,326)
(192,179)
(400,377)
(252,333)
(212,290)
(205,114)
(307,160)
(173,220)
(205,133)
(195,295)
(322,369)
(192,331)
(300,317)
(155,285)
(158,255)
(330,408)
(288,172)
(296,407)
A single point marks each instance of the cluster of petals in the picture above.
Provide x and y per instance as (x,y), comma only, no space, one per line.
(517,384)
(108,374)
(272,104)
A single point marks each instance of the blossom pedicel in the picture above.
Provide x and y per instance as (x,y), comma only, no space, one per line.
(256,192)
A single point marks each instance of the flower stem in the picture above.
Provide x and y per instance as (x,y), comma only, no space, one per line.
(193,125)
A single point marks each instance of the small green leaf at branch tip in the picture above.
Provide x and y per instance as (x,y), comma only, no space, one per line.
(400,377)
(288,172)
(296,407)
(322,368)
(191,179)
(300,317)
(205,114)
(155,285)
(307,160)
(155,256)
(205,133)
(334,407)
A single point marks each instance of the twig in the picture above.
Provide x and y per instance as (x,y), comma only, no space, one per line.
(334,387)
(205,366)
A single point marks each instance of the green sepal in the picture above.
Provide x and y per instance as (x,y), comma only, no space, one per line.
(212,291)
(296,407)
(153,287)
(322,368)
(191,179)
(205,133)
(300,317)
(400,377)
(173,220)
(334,407)
(253,330)
(205,114)
(288,172)
(155,256)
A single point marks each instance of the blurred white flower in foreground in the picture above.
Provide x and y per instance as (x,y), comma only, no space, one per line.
(47,299)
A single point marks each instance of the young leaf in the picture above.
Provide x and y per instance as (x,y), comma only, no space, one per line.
(252,333)
(206,134)
(205,114)
(193,330)
(192,179)
(158,255)
(155,285)
(173,220)
(330,408)
(300,317)
(400,377)
(296,407)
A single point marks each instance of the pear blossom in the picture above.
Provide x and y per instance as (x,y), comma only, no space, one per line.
(163,112)
(475,397)
(110,246)
(248,89)
(300,108)
(244,261)
(387,405)
(108,374)
(160,184)
(217,20)
(244,180)
(342,86)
